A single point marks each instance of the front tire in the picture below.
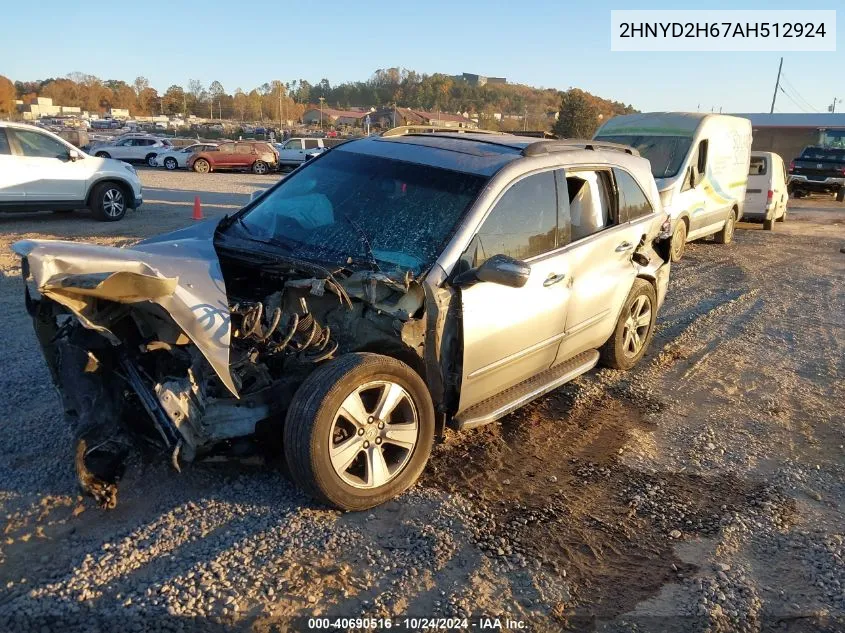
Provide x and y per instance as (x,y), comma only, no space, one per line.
(726,235)
(634,328)
(102,155)
(359,431)
(782,217)
(170,163)
(679,242)
(108,202)
(769,223)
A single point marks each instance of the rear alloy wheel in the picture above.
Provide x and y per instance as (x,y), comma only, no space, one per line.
(260,167)
(634,328)
(726,235)
(170,163)
(359,430)
(108,202)
(151,160)
(679,241)
(201,166)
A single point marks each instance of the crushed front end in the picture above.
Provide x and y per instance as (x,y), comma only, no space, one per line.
(149,351)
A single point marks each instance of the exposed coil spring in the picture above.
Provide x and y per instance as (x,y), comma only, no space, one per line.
(304,336)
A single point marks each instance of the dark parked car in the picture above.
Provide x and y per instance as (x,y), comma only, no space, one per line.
(818,170)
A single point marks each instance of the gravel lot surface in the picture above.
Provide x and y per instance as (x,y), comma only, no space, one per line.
(701,491)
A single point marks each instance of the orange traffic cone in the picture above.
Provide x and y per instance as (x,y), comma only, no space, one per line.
(197,208)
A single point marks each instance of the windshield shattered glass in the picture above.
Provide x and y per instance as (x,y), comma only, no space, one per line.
(665,153)
(349,205)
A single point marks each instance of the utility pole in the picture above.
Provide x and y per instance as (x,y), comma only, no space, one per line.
(777,85)
(525,120)
(321,112)
(394,114)
(280,109)
(832,108)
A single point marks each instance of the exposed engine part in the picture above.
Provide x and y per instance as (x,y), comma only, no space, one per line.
(283,323)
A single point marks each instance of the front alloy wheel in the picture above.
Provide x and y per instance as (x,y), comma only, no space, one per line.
(108,203)
(374,434)
(359,430)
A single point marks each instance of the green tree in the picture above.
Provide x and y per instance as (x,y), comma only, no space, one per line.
(578,116)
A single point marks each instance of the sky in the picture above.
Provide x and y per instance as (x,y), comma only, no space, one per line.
(553,44)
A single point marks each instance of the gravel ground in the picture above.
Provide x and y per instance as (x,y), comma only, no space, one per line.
(701,491)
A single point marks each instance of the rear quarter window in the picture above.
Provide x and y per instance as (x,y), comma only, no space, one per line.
(4,143)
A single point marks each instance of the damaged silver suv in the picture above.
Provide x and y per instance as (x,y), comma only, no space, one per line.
(388,288)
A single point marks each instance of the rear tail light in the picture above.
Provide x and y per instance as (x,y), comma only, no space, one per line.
(791,166)
(770,195)
(843,171)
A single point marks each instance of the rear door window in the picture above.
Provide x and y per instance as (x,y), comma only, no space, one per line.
(759,166)
(243,148)
(311,143)
(591,207)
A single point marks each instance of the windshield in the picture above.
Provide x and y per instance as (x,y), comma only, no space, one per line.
(394,214)
(665,153)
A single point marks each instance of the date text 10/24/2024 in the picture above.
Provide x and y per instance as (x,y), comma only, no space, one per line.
(411,624)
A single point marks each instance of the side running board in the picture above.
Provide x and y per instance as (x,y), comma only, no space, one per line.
(514,397)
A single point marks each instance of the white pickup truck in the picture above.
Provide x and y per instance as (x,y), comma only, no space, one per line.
(294,151)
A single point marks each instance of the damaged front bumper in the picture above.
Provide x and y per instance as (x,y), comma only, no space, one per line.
(80,298)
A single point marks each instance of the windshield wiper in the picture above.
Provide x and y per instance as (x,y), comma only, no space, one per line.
(364,240)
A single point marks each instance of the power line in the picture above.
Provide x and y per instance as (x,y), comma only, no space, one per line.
(797,105)
(797,94)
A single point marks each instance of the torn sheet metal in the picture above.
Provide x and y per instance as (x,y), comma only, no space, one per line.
(180,272)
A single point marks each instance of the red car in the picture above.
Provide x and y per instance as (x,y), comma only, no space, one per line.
(258,156)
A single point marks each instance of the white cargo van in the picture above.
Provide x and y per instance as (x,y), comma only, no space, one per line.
(700,163)
(766,197)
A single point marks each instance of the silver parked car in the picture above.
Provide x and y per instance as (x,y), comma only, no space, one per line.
(386,289)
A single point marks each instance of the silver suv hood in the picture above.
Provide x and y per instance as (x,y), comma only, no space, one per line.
(179,271)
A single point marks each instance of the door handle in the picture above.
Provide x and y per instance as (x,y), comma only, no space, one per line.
(553,279)
(624,246)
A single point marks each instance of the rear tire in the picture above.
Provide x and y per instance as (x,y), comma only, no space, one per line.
(634,328)
(260,167)
(170,163)
(322,449)
(726,235)
(769,224)
(840,195)
(150,160)
(679,241)
(109,202)
(782,217)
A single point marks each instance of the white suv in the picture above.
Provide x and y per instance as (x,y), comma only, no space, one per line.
(39,172)
(140,148)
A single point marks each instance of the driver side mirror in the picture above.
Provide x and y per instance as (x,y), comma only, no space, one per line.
(499,269)
(73,155)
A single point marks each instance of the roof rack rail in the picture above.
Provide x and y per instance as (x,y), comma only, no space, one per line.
(547,147)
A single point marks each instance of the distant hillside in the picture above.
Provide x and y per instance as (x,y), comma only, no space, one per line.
(497,106)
